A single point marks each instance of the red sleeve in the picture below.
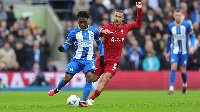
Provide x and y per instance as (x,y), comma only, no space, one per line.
(100,32)
(138,22)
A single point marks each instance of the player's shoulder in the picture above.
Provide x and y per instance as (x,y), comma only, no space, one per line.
(108,25)
(74,31)
(172,24)
(92,28)
(186,23)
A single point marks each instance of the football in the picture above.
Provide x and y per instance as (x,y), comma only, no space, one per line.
(73,101)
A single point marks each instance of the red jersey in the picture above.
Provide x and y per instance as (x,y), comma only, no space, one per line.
(114,42)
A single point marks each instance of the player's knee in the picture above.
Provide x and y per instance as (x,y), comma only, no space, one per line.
(95,78)
(106,80)
(173,67)
(183,70)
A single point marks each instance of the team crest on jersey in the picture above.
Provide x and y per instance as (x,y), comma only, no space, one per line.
(185,63)
(122,31)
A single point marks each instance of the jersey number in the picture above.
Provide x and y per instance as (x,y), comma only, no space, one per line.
(114,67)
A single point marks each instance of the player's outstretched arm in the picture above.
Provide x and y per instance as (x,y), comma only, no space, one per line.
(138,22)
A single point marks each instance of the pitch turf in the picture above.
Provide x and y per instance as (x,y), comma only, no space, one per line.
(109,101)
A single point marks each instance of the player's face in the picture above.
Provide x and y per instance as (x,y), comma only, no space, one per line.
(82,22)
(118,18)
(177,16)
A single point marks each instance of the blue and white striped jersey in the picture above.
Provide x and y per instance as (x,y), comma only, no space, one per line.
(83,40)
(179,36)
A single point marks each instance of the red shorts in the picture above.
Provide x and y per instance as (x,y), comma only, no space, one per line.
(110,67)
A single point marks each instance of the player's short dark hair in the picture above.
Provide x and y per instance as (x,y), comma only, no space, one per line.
(83,14)
(177,10)
(120,11)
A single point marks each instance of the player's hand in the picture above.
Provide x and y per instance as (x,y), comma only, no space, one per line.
(61,48)
(138,4)
(102,62)
(167,57)
(191,51)
(106,31)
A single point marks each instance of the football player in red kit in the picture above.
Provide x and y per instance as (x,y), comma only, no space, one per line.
(114,37)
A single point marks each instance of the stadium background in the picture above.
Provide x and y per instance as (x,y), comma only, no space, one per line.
(49,22)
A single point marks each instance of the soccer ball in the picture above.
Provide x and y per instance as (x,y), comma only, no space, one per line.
(73,101)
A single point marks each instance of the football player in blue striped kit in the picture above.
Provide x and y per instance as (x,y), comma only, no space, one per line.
(178,32)
(83,37)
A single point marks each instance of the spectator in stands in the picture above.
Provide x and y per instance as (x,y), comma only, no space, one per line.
(144,14)
(151,62)
(148,47)
(195,16)
(3,38)
(3,27)
(20,35)
(16,67)
(140,38)
(20,54)
(11,40)
(36,68)
(28,43)
(44,46)
(134,59)
(3,15)
(96,11)
(153,4)
(136,47)
(50,66)
(168,7)
(68,28)
(156,43)
(7,56)
(193,62)
(81,6)
(164,64)
(184,9)
(14,29)
(11,17)
(21,24)
(35,54)
(29,30)
(123,64)
(196,28)
(159,14)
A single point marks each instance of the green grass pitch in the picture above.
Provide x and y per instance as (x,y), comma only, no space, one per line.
(108,101)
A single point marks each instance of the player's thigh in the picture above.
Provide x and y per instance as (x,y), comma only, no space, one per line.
(73,67)
(174,58)
(99,70)
(183,60)
(89,65)
(111,68)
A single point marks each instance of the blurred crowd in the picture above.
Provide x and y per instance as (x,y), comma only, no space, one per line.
(23,46)
(144,48)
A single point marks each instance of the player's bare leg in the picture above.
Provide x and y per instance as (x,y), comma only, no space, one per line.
(172,77)
(61,84)
(106,78)
(184,77)
(87,88)
(95,78)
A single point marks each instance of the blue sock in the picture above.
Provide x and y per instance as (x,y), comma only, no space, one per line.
(87,89)
(172,77)
(184,77)
(61,84)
